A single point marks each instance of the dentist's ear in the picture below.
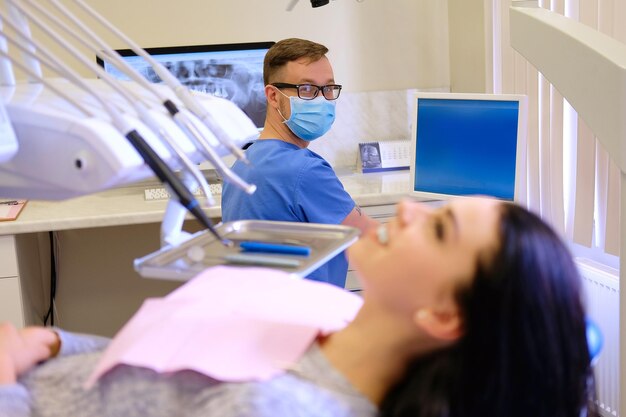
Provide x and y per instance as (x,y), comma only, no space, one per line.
(442,325)
(270,95)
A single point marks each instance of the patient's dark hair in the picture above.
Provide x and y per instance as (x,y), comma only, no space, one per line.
(524,350)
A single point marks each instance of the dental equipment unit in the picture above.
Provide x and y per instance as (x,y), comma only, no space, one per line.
(70,136)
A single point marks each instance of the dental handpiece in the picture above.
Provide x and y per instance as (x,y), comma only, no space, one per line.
(167,176)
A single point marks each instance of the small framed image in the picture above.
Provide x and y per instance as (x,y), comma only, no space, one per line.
(370,156)
(387,155)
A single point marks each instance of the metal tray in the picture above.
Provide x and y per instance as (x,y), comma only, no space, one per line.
(203,250)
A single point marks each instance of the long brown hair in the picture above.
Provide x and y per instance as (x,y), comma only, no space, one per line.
(524,350)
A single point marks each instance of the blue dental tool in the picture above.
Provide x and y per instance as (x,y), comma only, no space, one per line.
(275,248)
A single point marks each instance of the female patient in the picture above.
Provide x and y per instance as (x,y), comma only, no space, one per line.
(471,309)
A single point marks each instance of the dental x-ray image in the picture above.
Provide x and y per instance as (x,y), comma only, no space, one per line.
(240,82)
(234,72)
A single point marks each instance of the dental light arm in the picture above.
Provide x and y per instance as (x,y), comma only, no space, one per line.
(586,66)
(589,70)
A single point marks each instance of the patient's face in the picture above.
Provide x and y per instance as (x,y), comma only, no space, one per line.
(428,252)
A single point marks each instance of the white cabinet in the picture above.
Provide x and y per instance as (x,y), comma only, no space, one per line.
(8,260)
(11,307)
(11,301)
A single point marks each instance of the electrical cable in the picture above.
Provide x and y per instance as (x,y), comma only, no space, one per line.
(53,281)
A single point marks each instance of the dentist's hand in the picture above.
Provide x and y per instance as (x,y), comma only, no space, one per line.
(22,349)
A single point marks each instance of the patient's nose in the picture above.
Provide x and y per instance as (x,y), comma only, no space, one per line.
(409,211)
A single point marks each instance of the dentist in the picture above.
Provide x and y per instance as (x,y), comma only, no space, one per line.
(294,183)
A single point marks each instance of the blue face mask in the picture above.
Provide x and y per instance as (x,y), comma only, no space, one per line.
(310,119)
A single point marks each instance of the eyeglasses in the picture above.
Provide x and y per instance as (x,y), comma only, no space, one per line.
(310,91)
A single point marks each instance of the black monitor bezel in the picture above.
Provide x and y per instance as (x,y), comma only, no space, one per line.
(206,48)
(186,49)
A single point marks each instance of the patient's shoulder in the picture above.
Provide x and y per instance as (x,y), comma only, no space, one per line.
(310,388)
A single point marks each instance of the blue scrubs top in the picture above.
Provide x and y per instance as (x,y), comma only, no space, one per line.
(293,184)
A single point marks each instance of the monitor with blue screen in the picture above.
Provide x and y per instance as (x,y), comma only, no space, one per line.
(468,144)
(232,71)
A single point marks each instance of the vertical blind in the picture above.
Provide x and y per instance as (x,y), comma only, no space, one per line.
(571,182)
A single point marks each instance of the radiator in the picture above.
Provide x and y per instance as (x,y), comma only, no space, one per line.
(601,284)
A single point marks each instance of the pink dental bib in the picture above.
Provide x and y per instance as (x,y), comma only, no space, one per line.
(231,324)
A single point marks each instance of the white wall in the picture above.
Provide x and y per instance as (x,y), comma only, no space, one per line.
(468,42)
(374,44)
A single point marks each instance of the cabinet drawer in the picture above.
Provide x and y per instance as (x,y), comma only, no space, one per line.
(8,258)
(352,282)
(381,213)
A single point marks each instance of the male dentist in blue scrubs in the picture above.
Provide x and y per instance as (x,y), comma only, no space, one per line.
(294,183)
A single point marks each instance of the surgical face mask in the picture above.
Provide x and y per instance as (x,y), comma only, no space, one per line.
(309,119)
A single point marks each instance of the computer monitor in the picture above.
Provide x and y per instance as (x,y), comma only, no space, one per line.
(232,71)
(468,144)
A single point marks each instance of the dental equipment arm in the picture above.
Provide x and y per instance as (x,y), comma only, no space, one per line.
(201,140)
(183,94)
(589,70)
(132,100)
(154,161)
(70,132)
(183,118)
(8,141)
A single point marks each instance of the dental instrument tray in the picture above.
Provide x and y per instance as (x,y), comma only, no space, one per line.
(202,250)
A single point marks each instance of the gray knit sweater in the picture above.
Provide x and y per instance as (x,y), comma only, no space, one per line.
(55,389)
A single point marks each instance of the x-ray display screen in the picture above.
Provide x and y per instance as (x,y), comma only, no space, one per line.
(231,71)
(466,147)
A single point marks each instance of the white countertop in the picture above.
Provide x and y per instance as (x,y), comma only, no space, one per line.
(124,206)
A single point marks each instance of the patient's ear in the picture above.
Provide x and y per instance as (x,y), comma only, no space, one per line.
(443,325)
